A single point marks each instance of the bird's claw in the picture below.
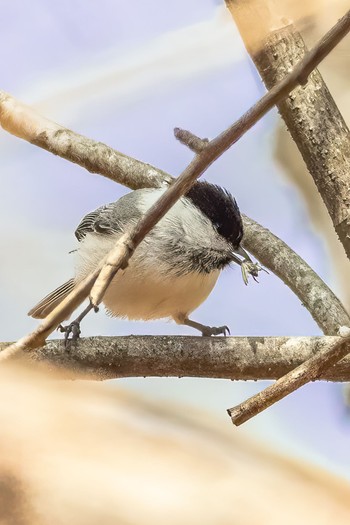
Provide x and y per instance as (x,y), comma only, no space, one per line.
(71,332)
(208,331)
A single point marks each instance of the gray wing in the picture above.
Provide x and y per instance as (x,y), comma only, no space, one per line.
(111,218)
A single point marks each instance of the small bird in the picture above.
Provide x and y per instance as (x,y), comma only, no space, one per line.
(174,268)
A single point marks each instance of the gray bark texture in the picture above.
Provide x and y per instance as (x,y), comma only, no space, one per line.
(316,125)
(310,112)
(97,157)
(238,358)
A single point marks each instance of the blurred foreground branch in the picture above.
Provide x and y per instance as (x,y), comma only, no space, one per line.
(238,358)
(78,454)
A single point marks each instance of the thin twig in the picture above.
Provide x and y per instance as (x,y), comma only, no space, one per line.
(308,371)
(190,140)
(236,358)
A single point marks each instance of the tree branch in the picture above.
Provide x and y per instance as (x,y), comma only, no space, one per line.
(324,306)
(23,122)
(310,113)
(237,358)
(308,371)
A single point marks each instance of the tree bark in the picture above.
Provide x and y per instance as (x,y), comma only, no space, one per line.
(310,113)
(237,358)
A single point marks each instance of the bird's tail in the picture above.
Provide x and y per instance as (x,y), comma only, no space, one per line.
(46,305)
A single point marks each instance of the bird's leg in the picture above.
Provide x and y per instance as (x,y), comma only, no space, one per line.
(206,330)
(72,331)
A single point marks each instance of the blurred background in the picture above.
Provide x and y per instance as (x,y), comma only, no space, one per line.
(127,73)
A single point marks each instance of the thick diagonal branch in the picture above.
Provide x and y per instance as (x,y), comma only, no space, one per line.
(310,112)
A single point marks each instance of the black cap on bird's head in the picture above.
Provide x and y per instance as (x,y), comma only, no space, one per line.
(221,209)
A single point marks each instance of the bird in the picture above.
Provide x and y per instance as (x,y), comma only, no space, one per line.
(174,268)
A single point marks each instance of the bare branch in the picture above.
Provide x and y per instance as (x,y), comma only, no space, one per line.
(96,157)
(190,140)
(312,369)
(237,358)
(310,113)
(324,306)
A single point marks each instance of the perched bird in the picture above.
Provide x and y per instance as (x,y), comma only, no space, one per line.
(175,267)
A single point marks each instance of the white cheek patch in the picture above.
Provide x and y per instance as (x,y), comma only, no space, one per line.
(148,198)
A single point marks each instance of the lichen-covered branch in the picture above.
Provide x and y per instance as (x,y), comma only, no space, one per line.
(239,358)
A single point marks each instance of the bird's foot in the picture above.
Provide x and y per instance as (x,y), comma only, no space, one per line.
(71,332)
(208,331)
